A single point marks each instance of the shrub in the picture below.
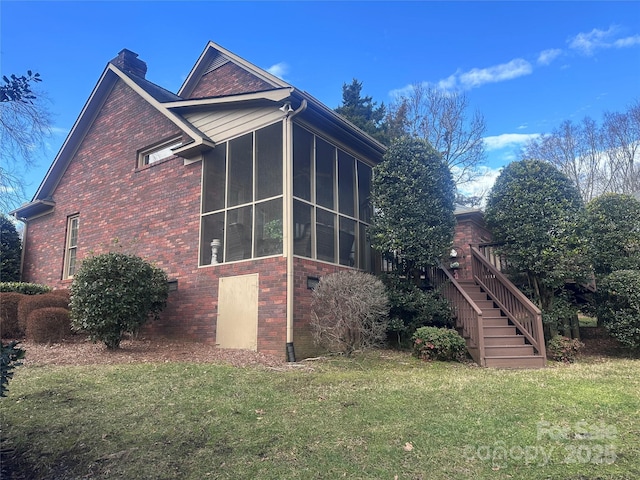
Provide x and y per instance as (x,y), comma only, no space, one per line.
(48,325)
(29,303)
(116,293)
(433,343)
(25,288)
(9,314)
(63,292)
(412,307)
(563,349)
(10,251)
(349,312)
(10,357)
(618,306)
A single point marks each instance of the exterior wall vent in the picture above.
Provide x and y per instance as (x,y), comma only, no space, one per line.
(215,63)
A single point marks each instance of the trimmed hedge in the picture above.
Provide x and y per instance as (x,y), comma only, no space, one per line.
(433,343)
(25,288)
(9,302)
(34,302)
(63,292)
(48,325)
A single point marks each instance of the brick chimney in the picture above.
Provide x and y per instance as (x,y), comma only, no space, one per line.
(129,62)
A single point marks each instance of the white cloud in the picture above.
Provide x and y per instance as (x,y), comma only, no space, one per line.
(481,186)
(588,42)
(508,140)
(401,92)
(497,73)
(60,131)
(280,70)
(548,56)
(448,83)
(627,42)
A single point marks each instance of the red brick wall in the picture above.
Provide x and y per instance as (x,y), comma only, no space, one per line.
(470,230)
(229,79)
(152,212)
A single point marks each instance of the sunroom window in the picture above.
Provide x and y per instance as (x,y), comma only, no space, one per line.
(242,198)
(331,208)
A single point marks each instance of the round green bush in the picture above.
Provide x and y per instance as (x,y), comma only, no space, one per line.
(29,303)
(618,306)
(48,325)
(433,343)
(116,293)
(9,302)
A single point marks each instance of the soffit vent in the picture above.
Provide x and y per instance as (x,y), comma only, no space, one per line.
(216,62)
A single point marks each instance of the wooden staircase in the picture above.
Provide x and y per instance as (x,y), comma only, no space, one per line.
(504,347)
(500,325)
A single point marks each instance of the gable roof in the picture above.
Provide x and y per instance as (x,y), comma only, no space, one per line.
(269,89)
(153,94)
(213,58)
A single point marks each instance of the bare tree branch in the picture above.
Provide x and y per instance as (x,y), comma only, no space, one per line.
(443,120)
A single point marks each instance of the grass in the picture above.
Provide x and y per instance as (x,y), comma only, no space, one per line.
(382,415)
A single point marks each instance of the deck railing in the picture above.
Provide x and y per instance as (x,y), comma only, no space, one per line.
(521,311)
(468,315)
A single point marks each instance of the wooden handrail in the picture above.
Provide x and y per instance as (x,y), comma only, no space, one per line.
(526,317)
(468,314)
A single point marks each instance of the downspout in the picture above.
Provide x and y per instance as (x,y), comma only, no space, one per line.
(288,221)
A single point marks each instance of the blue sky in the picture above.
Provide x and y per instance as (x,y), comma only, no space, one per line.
(526,66)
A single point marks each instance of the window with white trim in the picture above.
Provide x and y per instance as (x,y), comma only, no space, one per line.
(159,152)
(71,247)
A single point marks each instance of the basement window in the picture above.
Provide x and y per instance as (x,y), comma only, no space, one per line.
(158,153)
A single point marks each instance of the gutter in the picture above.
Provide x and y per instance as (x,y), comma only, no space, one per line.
(291,356)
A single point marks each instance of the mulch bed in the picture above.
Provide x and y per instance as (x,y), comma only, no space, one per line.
(78,350)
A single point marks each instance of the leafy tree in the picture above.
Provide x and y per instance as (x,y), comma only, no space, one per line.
(536,213)
(116,293)
(443,120)
(363,112)
(619,306)
(613,232)
(24,124)
(413,199)
(10,251)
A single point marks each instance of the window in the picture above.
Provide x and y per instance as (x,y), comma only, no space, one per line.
(159,152)
(241,214)
(71,247)
(333,228)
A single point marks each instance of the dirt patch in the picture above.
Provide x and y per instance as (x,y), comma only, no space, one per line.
(81,351)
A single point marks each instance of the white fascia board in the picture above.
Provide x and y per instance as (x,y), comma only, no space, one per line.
(277,95)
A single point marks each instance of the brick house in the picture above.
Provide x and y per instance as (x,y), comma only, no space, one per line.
(244,189)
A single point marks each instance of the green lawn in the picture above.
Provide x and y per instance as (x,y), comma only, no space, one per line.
(382,415)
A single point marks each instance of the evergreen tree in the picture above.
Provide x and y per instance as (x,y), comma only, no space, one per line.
(10,251)
(413,197)
(363,112)
(536,212)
